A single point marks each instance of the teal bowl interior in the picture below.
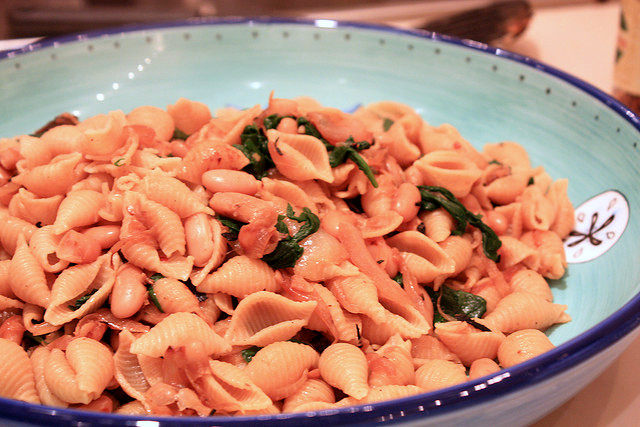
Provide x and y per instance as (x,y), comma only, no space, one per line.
(571,129)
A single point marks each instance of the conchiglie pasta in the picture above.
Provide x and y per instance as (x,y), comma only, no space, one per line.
(344,366)
(436,374)
(184,261)
(280,368)
(448,169)
(177,330)
(17,379)
(299,157)
(265,317)
(523,345)
(240,276)
(524,310)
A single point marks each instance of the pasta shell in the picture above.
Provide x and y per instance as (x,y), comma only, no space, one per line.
(449,169)
(206,155)
(265,317)
(299,157)
(16,374)
(53,178)
(538,212)
(389,392)
(523,345)
(565,216)
(174,194)
(43,245)
(514,251)
(400,147)
(438,224)
(5,284)
(189,116)
(241,276)
(81,280)
(323,258)
(312,390)
(358,294)
(482,367)
(437,374)
(174,296)
(79,208)
(127,369)
(39,358)
(93,363)
(176,330)
(229,388)
(508,153)
(26,277)
(28,206)
(279,369)
(12,227)
(467,342)
(526,280)
(164,223)
(104,133)
(347,325)
(392,364)
(344,366)
(423,256)
(524,310)
(553,260)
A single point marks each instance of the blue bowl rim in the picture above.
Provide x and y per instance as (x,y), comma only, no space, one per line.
(570,354)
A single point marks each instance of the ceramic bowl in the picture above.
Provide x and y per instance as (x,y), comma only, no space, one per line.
(490,95)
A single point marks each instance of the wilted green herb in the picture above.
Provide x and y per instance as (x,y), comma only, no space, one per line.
(82,300)
(436,197)
(398,279)
(458,304)
(248,353)
(531,181)
(386,124)
(233,226)
(310,129)
(36,338)
(154,298)
(494,162)
(273,120)
(156,276)
(119,162)
(254,145)
(178,134)
(288,250)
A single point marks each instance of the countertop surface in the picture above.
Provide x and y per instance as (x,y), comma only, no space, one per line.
(579,39)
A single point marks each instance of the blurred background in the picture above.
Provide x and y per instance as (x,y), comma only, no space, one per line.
(31,18)
(578,36)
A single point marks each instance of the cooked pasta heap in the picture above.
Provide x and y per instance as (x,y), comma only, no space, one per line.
(279,259)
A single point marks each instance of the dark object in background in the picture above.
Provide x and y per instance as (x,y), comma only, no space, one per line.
(34,18)
(495,24)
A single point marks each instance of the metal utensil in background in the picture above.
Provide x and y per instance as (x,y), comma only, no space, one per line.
(497,24)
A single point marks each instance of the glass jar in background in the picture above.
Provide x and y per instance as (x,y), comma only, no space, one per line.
(626,74)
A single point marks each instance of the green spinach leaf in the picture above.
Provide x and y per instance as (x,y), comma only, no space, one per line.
(254,145)
(458,304)
(288,250)
(80,301)
(436,197)
(248,353)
